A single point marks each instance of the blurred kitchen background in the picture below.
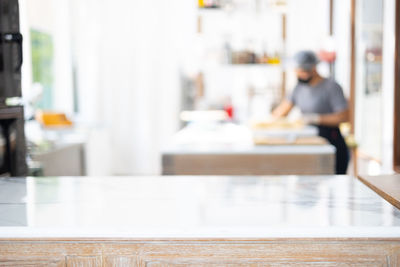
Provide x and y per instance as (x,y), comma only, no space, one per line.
(109,85)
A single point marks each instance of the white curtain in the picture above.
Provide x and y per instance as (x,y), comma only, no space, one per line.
(127,56)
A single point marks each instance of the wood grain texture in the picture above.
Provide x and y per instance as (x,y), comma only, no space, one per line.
(316,252)
(387,186)
(33,262)
(84,261)
(119,261)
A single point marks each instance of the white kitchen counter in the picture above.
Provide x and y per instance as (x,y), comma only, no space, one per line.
(228,149)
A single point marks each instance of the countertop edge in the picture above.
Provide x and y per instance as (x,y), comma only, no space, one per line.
(7,233)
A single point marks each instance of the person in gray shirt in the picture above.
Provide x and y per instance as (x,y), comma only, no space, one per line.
(322,104)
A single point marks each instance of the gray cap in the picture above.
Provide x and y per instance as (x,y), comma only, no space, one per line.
(306,60)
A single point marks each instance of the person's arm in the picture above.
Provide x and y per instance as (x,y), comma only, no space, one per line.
(283,109)
(331,119)
(339,106)
(334,119)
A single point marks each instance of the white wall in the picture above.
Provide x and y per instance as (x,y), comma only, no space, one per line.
(63,86)
(127,54)
(341,31)
(307,24)
(307,29)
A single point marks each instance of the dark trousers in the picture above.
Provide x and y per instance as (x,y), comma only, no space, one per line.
(333,135)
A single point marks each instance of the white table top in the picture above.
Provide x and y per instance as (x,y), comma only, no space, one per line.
(229,138)
(194,207)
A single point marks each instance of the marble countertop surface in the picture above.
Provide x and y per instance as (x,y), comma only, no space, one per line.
(254,207)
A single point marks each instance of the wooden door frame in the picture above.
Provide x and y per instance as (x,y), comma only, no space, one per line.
(331,16)
(396,137)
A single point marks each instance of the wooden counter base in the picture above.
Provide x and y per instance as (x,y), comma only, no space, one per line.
(213,252)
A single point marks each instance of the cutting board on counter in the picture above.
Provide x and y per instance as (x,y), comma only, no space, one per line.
(280,124)
(313,140)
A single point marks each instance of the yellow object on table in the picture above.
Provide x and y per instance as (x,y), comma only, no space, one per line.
(53,119)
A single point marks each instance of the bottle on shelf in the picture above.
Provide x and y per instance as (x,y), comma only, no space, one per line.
(275,59)
(201,3)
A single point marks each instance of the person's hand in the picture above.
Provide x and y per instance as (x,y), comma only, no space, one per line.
(273,118)
(311,118)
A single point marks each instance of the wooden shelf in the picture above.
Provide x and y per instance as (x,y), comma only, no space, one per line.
(210,8)
(254,65)
(387,186)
